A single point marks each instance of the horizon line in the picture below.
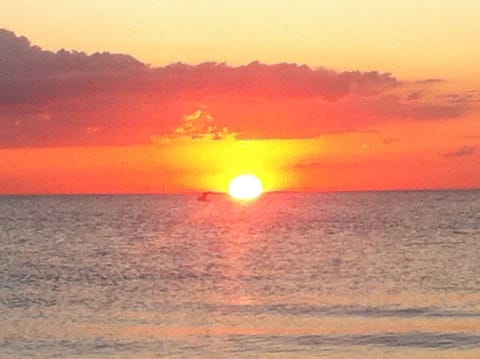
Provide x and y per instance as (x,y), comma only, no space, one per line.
(191,193)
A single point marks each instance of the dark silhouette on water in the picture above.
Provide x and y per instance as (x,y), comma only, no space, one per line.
(204,197)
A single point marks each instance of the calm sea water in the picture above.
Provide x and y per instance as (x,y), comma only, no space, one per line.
(346,275)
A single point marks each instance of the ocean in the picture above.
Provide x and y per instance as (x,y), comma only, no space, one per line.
(324,275)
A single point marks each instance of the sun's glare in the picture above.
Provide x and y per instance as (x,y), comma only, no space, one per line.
(245,187)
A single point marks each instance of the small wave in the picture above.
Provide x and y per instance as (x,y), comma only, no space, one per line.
(361,311)
(411,340)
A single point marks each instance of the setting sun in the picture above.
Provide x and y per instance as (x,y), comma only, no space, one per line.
(245,187)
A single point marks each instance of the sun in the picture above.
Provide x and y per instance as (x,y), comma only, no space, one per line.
(245,187)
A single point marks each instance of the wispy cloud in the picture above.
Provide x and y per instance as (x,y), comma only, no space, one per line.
(462,152)
(429,81)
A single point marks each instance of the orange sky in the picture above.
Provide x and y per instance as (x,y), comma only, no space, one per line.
(310,95)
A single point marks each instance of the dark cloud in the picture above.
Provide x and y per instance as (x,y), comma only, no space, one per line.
(462,152)
(392,106)
(456,98)
(30,75)
(278,80)
(70,98)
(413,96)
(17,55)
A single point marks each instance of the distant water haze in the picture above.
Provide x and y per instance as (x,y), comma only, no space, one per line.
(337,275)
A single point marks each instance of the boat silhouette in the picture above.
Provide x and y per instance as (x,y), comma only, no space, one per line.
(204,197)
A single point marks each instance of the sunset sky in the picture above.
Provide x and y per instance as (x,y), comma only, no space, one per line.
(177,96)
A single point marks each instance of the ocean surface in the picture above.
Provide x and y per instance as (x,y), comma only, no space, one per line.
(334,275)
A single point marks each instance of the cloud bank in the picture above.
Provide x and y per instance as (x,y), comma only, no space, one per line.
(69,98)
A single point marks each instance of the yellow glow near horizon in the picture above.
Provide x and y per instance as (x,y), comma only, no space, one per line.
(203,164)
(245,187)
